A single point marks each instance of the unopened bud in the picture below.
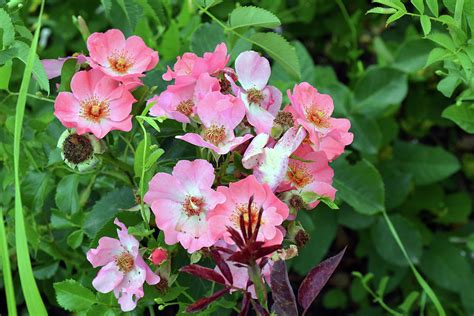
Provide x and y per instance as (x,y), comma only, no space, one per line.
(158,256)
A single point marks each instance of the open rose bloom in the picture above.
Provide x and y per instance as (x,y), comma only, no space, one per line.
(123,269)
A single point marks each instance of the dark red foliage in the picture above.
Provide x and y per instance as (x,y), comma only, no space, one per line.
(205,301)
(316,279)
(203,272)
(223,266)
(282,293)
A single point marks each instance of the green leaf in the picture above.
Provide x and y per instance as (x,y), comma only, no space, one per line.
(458,208)
(6,270)
(67,196)
(379,88)
(252,17)
(427,164)
(310,197)
(412,55)
(360,186)
(30,290)
(74,240)
(5,74)
(437,54)
(425,24)
(7,29)
(106,209)
(133,12)
(39,73)
(380,10)
(433,5)
(397,4)
(280,50)
(74,297)
(170,45)
(67,72)
(206,38)
(462,115)
(419,5)
(397,15)
(153,157)
(398,184)
(387,247)
(443,40)
(445,265)
(368,133)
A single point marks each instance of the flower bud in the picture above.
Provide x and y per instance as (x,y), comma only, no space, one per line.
(79,151)
(158,256)
(297,234)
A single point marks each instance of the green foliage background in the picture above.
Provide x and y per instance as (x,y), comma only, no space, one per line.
(407,89)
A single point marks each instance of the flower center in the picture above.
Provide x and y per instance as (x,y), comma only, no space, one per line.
(317,117)
(226,87)
(214,134)
(285,119)
(94,110)
(299,176)
(254,96)
(77,148)
(120,62)
(193,206)
(185,107)
(244,209)
(124,262)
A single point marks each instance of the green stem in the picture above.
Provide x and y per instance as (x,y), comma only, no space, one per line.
(33,96)
(348,20)
(421,281)
(7,273)
(34,303)
(142,176)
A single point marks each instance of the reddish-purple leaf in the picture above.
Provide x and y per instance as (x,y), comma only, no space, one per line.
(259,309)
(245,305)
(316,279)
(282,293)
(223,266)
(235,236)
(203,272)
(249,213)
(205,301)
(264,251)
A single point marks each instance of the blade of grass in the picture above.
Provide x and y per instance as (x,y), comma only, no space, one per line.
(7,273)
(421,281)
(31,293)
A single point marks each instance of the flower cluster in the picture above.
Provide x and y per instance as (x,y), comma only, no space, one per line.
(278,158)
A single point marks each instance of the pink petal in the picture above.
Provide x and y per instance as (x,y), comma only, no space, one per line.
(108,278)
(66,109)
(252,70)
(259,118)
(129,242)
(120,108)
(254,151)
(164,186)
(106,251)
(194,174)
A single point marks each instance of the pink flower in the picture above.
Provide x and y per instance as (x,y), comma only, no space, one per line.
(179,101)
(123,269)
(158,256)
(269,163)
(181,202)
(118,57)
(53,67)
(261,101)
(190,65)
(313,111)
(97,104)
(219,115)
(236,203)
(310,173)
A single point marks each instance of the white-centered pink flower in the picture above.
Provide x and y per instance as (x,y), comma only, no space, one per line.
(219,114)
(270,162)
(313,111)
(123,269)
(97,104)
(236,203)
(119,57)
(262,102)
(309,171)
(179,101)
(181,202)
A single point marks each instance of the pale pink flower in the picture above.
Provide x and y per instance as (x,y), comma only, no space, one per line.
(270,163)
(262,102)
(97,104)
(219,115)
(118,57)
(53,67)
(309,173)
(179,101)
(181,202)
(191,65)
(158,256)
(313,111)
(236,203)
(123,269)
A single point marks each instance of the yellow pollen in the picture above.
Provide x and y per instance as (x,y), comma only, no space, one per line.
(317,117)
(93,109)
(193,206)
(255,96)
(185,107)
(299,176)
(214,134)
(244,209)
(120,62)
(124,262)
